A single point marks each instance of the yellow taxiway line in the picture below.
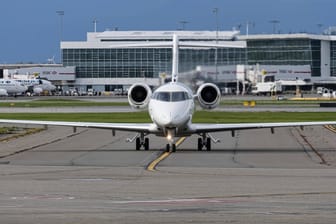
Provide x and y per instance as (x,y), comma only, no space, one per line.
(331,128)
(154,163)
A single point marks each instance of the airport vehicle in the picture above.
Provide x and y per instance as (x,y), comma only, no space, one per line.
(11,87)
(327,93)
(266,88)
(90,92)
(171,107)
(37,86)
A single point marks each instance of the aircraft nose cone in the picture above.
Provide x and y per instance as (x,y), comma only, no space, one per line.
(167,119)
(170,119)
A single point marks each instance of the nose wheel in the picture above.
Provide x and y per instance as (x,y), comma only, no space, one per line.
(171,146)
(170,137)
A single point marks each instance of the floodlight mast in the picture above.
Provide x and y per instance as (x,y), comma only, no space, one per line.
(274,22)
(215,10)
(95,21)
(61,14)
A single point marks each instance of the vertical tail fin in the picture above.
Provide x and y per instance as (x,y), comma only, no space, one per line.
(175,58)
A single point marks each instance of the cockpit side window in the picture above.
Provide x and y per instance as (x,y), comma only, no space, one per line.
(163,96)
(178,96)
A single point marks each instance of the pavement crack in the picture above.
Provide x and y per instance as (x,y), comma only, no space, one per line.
(312,148)
(43,144)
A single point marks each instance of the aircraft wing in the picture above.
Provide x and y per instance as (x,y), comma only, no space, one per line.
(134,127)
(204,128)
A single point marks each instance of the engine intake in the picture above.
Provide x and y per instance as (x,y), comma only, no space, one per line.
(208,95)
(139,95)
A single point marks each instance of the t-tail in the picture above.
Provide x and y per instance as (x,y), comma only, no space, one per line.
(175,58)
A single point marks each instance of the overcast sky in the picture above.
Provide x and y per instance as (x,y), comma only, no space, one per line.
(30,29)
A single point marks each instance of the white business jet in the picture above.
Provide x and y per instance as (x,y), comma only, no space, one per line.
(11,87)
(171,107)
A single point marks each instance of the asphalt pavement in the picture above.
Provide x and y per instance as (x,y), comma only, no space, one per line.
(57,176)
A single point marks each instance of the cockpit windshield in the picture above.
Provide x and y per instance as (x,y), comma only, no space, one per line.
(171,96)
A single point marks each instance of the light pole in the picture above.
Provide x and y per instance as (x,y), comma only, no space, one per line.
(61,14)
(95,21)
(183,24)
(215,11)
(319,26)
(248,23)
(274,22)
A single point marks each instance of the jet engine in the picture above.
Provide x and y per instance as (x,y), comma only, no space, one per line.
(3,92)
(208,95)
(38,90)
(139,95)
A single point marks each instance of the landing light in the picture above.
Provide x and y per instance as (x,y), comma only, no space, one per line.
(169,137)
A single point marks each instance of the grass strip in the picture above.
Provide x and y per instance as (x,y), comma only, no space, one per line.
(60,103)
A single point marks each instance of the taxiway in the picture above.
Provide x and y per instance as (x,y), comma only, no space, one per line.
(58,176)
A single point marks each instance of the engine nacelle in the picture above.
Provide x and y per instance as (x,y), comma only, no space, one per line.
(139,95)
(3,92)
(38,90)
(208,95)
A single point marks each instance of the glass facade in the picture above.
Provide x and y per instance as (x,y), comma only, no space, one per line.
(333,58)
(286,52)
(150,62)
(144,62)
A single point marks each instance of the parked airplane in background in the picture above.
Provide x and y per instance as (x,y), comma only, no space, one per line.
(171,107)
(37,86)
(11,87)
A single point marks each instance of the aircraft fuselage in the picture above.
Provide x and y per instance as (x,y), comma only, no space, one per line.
(171,108)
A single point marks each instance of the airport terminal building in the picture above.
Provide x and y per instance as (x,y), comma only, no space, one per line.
(117,59)
(112,59)
(107,59)
(316,51)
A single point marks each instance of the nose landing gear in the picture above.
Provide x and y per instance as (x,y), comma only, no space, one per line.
(171,146)
(171,139)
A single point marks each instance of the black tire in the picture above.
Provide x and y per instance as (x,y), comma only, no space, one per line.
(167,148)
(146,144)
(137,144)
(173,148)
(200,144)
(208,144)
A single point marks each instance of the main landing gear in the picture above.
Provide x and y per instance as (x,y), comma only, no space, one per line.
(204,142)
(140,141)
